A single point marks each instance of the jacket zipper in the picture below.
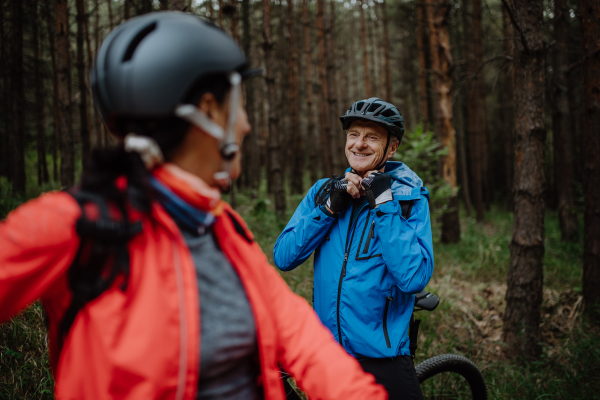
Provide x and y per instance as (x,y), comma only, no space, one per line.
(370,236)
(342,275)
(343,272)
(385,313)
(182,371)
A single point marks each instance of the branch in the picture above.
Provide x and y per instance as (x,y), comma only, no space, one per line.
(515,24)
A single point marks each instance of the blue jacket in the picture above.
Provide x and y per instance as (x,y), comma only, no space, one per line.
(365,274)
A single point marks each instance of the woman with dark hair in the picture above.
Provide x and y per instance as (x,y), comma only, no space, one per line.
(153,286)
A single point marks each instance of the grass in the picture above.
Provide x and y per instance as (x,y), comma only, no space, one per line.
(469,278)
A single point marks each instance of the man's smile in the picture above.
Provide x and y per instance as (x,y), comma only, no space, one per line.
(360,154)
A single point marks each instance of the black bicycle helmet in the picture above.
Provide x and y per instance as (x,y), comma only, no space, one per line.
(375,110)
(146,66)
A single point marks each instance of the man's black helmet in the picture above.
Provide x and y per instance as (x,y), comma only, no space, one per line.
(378,111)
(146,66)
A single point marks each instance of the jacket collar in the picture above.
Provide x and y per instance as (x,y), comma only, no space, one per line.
(189,188)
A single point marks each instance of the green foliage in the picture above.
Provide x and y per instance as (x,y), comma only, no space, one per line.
(8,201)
(421,152)
(24,364)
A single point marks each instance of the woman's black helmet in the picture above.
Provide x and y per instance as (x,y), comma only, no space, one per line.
(146,66)
(378,111)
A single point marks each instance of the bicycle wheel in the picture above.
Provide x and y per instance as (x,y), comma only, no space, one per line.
(450,376)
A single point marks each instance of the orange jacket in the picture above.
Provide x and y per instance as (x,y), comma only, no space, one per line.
(144,343)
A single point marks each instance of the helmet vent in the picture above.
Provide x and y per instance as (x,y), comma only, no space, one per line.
(388,113)
(137,40)
(359,106)
(374,107)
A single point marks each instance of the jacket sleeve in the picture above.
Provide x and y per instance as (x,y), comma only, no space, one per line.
(406,245)
(37,245)
(308,351)
(303,234)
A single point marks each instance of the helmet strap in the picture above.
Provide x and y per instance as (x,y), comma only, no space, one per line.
(229,147)
(384,158)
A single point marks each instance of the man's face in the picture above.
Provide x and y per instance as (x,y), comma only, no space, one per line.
(365,144)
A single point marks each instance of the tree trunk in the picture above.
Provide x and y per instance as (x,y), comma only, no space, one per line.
(221,13)
(250,149)
(441,63)
(363,36)
(297,153)
(275,173)
(323,108)
(99,132)
(479,103)
(164,5)
(508,113)
(473,110)
(386,51)
(6,132)
(460,118)
(127,10)
(42,166)
(51,26)
(311,133)
(111,21)
(422,66)
(521,330)
(334,124)
(234,21)
(16,143)
(563,149)
(84,126)
(371,44)
(379,49)
(67,151)
(590,23)
(178,5)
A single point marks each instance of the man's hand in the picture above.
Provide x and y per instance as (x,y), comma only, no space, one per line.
(339,197)
(378,188)
(354,188)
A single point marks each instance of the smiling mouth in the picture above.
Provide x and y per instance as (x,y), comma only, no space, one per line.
(360,155)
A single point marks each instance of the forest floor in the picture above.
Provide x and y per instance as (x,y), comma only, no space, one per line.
(469,278)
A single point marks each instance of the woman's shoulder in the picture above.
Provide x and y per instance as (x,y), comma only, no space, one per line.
(51,216)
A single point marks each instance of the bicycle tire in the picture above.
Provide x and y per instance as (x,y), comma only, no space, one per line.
(450,376)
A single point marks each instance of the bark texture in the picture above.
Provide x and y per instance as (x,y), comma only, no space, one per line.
(16,141)
(508,47)
(473,109)
(323,107)
(67,150)
(421,40)
(563,148)
(275,173)
(177,5)
(84,126)
(4,108)
(363,36)
(311,133)
(441,62)
(386,51)
(590,27)
(42,166)
(521,330)
(297,154)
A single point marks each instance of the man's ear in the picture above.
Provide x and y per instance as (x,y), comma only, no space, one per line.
(393,148)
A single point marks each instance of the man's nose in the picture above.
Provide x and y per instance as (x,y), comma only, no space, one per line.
(360,142)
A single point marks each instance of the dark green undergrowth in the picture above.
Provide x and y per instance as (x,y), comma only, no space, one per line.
(469,278)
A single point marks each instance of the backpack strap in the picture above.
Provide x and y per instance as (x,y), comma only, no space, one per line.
(101,257)
(406,206)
